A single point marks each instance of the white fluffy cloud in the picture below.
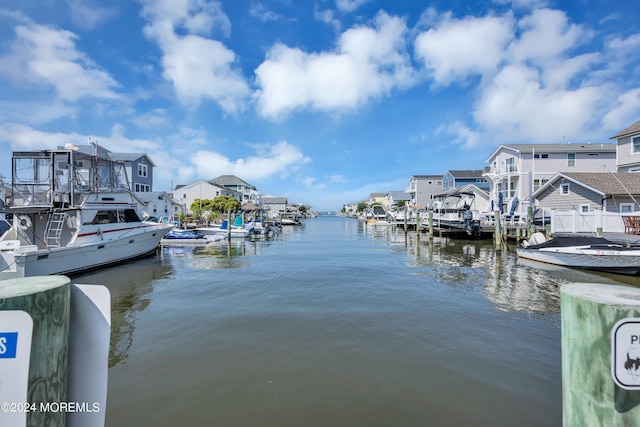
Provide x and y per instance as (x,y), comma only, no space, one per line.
(271,160)
(47,57)
(456,49)
(197,66)
(369,62)
(532,87)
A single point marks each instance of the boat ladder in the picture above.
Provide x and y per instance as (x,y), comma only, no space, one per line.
(54,229)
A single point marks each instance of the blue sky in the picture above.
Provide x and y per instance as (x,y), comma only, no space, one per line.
(322,102)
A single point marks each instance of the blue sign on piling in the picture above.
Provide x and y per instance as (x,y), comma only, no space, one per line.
(8,345)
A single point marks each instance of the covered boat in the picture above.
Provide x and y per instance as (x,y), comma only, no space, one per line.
(594,253)
(72,211)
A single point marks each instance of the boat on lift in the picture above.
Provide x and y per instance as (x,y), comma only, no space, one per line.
(72,211)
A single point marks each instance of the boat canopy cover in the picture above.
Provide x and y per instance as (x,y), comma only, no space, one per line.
(565,241)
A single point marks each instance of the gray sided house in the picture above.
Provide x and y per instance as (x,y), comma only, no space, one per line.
(249,193)
(422,188)
(398,197)
(518,170)
(139,169)
(157,204)
(185,195)
(459,178)
(587,192)
(628,142)
(274,205)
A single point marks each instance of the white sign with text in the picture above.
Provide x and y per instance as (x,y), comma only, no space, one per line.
(16,328)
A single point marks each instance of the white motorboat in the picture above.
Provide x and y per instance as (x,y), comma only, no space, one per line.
(72,211)
(593,253)
(225,230)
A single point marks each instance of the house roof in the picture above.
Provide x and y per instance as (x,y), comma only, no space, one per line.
(556,148)
(378,194)
(225,180)
(633,129)
(427,176)
(399,195)
(130,157)
(605,183)
(274,200)
(470,173)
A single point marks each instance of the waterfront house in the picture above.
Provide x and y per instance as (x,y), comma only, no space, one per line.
(249,193)
(139,167)
(275,206)
(584,202)
(185,195)
(380,199)
(396,198)
(422,188)
(459,178)
(157,204)
(518,170)
(628,145)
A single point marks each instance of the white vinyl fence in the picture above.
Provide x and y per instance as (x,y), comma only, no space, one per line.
(578,222)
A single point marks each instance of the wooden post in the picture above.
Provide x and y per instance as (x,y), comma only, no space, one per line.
(418,225)
(406,230)
(229,224)
(430,225)
(496,233)
(590,396)
(47,300)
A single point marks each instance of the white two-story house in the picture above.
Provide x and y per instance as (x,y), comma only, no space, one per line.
(517,170)
(249,193)
(422,188)
(628,142)
(185,195)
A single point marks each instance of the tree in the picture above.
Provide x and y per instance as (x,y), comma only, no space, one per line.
(361,206)
(224,204)
(302,209)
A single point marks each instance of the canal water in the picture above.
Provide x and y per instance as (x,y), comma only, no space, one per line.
(335,323)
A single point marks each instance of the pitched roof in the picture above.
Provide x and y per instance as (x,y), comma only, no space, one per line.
(129,157)
(633,129)
(557,148)
(225,180)
(470,173)
(624,183)
(399,195)
(274,200)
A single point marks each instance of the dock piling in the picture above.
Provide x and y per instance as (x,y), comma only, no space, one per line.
(597,356)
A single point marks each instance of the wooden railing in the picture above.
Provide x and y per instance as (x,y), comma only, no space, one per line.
(631,224)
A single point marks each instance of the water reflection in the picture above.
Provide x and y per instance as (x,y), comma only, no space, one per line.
(130,286)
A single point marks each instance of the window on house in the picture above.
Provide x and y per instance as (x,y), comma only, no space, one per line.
(142,170)
(571,159)
(540,156)
(537,183)
(593,154)
(584,208)
(626,207)
(564,189)
(512,189)
(137,188)
(510,164)
(635,144)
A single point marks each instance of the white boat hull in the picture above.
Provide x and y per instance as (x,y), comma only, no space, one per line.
(609,260)
(239,233)
(26,262)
